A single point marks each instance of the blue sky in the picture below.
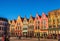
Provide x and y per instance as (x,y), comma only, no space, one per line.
(12,8)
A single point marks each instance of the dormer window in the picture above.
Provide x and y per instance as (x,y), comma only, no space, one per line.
(37,21)
(12,25)
(30,21)
(18,24)
(25,20)
(44,22)
(37,18)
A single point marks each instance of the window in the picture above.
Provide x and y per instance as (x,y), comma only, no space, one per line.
(31,27)
(4,28)
(18,28)
(37,18)
(54,21)
(16,33)
(50,26)
(43,24)
(58,20)
(18,24)
(12,25)
(24,20)
(44,21)
(41,27)
(30,21)
(1,23)
(37,27)
(49,20)
(12,30)
(24,28)
(5,24)
(44,27)
(0,28)
(37,22)
(58,26)
(54,26)
(38,34)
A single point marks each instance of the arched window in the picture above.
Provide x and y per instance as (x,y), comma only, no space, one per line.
(37,27)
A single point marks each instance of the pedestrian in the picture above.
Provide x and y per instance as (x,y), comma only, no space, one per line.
(2,37)
(59,37)
(38,39)
(7,38)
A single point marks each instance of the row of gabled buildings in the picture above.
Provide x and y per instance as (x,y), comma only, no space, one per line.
(31,26)
(36,26)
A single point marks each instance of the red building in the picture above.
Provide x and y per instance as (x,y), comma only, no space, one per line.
(37,26)
(44,25)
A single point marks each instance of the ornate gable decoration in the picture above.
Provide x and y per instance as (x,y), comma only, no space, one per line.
(25,21)
(31,20)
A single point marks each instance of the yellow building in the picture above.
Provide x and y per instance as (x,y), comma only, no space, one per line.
(54,22)
(31,26)
(12,27)
(16,27)
(25,27)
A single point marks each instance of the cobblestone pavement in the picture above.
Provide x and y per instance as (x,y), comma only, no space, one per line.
(29,39)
